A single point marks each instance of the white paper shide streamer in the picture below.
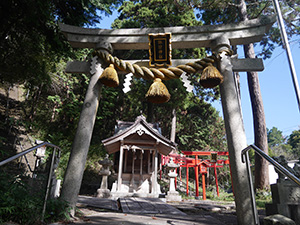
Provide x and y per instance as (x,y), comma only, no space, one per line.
(186,82)
(95,66)
(127,82)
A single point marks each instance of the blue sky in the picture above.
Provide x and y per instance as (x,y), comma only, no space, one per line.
(277,90)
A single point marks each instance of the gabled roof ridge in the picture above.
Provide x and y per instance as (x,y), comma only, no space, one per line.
(141,120)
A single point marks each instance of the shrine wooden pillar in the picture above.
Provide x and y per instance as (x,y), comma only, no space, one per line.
(160,167)
(176,179)
(203,187)
(155,191)
(180,174)
(196,176)
(216,178)
(125,160)
(141,167)
(148,169)
(187,180)
(132,168)
(120,167)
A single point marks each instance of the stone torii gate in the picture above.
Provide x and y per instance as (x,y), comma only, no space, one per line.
(217,37)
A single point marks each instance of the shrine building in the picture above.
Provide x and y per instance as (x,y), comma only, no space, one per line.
(137,148)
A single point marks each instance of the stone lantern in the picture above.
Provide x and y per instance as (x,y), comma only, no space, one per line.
(103,191)
(172,194)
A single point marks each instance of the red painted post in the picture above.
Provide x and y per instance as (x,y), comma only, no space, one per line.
(203,186)
(176,179)
(216,177)
(197,177)
(180,173)
(187,180)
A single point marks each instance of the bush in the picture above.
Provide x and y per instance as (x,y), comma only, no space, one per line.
(20,204)
(57,210)
(17,204)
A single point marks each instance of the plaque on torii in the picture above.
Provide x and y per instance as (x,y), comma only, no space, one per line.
(219,38)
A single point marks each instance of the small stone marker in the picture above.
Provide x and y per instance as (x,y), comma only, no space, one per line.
(278,219)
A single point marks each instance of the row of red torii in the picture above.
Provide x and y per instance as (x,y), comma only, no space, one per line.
(199,165)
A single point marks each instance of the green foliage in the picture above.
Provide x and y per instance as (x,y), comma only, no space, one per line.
(23,203)
(57,210)
(200,127)
(16,204)
(262,197)
(275,137)
(294,139)
(197,123)
(294,142)
(154,13)
(30,41)
(224,196)
(221,12)
(286,146)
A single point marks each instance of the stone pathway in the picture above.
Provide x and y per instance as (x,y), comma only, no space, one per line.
(102,203)
(135,211)
(115,218)
(147,206)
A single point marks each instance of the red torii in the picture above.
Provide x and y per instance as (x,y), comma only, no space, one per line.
(198,164)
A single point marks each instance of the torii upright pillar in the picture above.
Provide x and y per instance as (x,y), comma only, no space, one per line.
(235,134)
(81,143)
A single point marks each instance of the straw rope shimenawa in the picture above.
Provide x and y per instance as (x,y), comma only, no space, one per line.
(210,78)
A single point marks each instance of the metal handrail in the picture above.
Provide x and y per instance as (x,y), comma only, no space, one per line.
(50,170)
(279,167)
(27,151)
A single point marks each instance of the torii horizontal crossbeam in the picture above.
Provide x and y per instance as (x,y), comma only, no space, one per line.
(182,37)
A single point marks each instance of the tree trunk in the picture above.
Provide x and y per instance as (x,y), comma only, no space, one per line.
(260,130)
(150,118)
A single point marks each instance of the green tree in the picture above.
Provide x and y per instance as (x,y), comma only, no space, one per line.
(162,13)
(200,127)
(277,144)
(30,41)
(275,137)
(294,142)
(33,53)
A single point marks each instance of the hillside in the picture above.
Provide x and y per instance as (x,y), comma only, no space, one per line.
(14,137)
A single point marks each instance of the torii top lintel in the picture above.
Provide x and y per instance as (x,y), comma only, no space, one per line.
(245,32)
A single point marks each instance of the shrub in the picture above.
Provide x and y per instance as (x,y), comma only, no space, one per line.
(20,204)
(17,204)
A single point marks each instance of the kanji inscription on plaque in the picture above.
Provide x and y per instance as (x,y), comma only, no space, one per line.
(160,49)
